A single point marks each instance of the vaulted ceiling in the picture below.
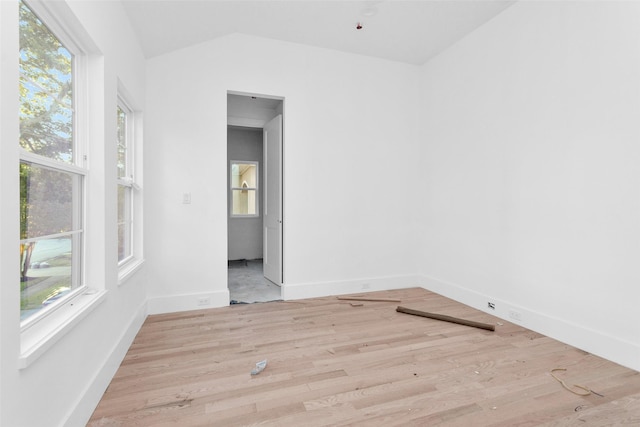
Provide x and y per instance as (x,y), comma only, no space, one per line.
(399,30)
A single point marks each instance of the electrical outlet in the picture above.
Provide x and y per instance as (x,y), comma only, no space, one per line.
(491,305)
(366,286)
(515,315)
(204,300)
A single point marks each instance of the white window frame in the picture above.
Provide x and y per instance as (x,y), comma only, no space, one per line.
(256,188)
(78,167)
(132,181)
(43,330)
(127,182)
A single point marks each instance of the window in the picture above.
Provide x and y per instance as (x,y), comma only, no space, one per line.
(52,170)
(128,146)
(244,189)
(125,184)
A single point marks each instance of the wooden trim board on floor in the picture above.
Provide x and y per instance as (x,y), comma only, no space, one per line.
(330,363)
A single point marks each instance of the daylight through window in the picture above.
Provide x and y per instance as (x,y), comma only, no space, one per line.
(125,185)
(244,188)
(51,170)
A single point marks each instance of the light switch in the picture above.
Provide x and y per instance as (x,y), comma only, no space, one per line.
(186,198)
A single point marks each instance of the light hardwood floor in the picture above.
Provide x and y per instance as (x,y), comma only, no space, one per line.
(331,363)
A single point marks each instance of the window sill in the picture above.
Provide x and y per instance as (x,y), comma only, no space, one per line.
(128,270)
(39,338)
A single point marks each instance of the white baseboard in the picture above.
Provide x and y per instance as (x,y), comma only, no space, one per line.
(84,407)
(606,346)
(187,302)
(323,289)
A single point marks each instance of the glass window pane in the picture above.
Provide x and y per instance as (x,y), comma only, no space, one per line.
(122,143)
(46,273)
(122,242)
(123,203)
(49,201)
(244,202)
(244,188)
(46,99)
(124,222)
(248,176)
(243,175)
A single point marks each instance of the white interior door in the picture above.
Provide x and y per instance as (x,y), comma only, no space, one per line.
(273,200)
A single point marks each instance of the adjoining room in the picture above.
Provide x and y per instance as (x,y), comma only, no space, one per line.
(255,262)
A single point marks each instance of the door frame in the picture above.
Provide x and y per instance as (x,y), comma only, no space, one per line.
(254,123)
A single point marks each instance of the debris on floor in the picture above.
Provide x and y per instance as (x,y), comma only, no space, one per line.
(445,318)
(235,302)
(368,299)
(584,391)
(259,367)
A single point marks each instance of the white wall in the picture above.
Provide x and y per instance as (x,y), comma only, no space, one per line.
(64,384)
(245,234)
(531,162)
(342,112)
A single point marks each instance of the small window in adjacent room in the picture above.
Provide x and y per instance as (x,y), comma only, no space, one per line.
(244,189)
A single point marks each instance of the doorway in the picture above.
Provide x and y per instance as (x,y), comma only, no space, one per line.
(254,203)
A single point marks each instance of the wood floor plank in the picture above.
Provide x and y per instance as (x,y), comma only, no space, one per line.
(333,364)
